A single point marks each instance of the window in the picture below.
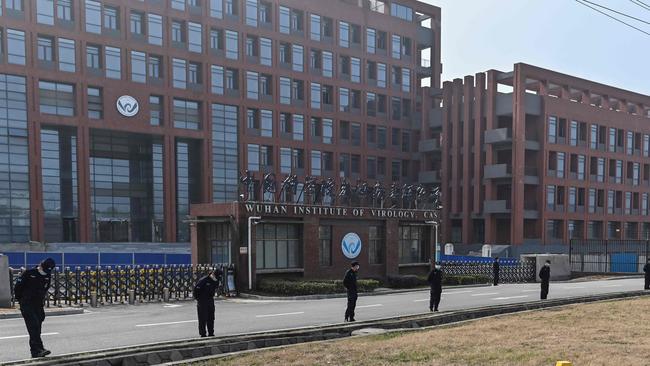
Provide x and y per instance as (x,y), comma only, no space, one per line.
(216,9)
(285,20)
(266,52)
(612,139)
(232,79)
(252,85)
(93,17)
(253,157)
(45,49)
(187,114)
(325,248)
(593,140)
(630,143)
(45,11)
(646,145)
(138,67)
(315,95)
(376,245)
(412,244)
(111,18)
(113,63)
(297,58)
(560,165)
(178,4)
(315,27)
(95,103)
(298,127)
(251,13)
(344,34)
(217,77)
(381,75)
(266,123)
(316,163)
(581,167)
(135,21)
(155,110)
(194,37)
(15,47)
(328,64)
(179,73)
(64,10)
(355,70)
(285,90)
(154,28)
(278,246)
(285,160)
(66,55)
(232,7)
(56,98)
(177,32)
(194,73)
(155,67)
(371,40)
(232,45)
(401,11)
(16,5)
(406,80)
(93,57)
(396,48)
(344,99)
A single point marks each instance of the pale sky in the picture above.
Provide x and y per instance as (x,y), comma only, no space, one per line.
(561,35)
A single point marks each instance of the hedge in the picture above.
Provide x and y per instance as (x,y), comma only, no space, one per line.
(410,281)
(297,288)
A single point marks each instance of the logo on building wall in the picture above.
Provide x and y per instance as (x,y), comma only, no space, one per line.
(127,106)
(351,245)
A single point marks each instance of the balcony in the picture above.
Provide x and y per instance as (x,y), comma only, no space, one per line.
(435,118)
(429,176)
(496,206)
(429,145)
(425,37)
(497,171)
(533,104)
(498,136)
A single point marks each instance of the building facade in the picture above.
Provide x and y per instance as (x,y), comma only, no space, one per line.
(533,158)
(117,116)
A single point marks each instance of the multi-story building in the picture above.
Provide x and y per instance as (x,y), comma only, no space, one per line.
(534,158)
(313,88)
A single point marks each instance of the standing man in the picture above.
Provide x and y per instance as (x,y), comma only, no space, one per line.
(646,269)
(545,276)
(204,295)
(435,280)
(350,284)
(495,271)
(30,291)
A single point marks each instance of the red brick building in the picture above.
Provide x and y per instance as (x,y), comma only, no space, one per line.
(533,158)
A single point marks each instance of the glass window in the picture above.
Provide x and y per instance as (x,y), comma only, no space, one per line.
(216,9)
(344,34)
(381,75)
(155,67)
(612,139)
(138,67)
(67,55)
(344,99)
(552,129)
(285,20)
(95,103)
(328,131)
(251,13)
(45,11)
(328,64)
(285,90)
(401,11)
(266,52)
(135,22)
(413,244)
(232,45)
(355,70)
(593,141)
(45,49)
(253,157)
(315,95)
(111,18)
(187,114)
(217,77)
(252,85)
(325,247)
(297,58)
(396,49)
(64,10)
(406,80)
(371,40)
(560,164)
(314,27)
(278,246)
(154,28)
(178,4)
(177,31)
(16,5)
(113,63)
(316,164)
(15,47)
(376,245)
(56,98)
(93,57)
(194,36)
(266,123)
(232,7)
(155,110)
(179,68)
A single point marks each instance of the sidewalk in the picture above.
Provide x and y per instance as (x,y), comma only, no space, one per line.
(13,313)
(378,291)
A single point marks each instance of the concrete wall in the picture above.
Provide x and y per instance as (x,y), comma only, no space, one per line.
(560,265)
(5,285)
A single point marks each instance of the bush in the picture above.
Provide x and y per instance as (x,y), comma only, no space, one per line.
(411,281)
(297,288)
(464,280)
(406,281)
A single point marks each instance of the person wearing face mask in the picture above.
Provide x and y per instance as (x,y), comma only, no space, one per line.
(646,269)
(545,276)
(30,291)
(435,281)
(204,295)
(350,284)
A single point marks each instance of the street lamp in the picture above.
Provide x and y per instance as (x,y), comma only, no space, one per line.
(250,260)
(435,226)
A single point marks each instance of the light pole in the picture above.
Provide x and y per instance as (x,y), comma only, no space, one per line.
(250,240)
(435,226)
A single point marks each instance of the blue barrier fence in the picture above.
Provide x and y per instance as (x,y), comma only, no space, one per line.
(31,259)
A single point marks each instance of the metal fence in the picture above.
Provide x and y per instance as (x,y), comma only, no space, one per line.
(608,256)
(122,284)
(510,272)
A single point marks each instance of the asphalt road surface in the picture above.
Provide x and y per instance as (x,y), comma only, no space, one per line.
(124,325)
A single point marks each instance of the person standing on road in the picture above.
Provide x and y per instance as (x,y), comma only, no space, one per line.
(30,291)
(204,295)
(350,284)
(646,269)
(495,271)
(545,276)
(435,281)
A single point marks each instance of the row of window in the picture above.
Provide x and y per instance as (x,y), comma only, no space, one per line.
(598,137)
(620,172)
(262,158)
(593,200)
(594,230)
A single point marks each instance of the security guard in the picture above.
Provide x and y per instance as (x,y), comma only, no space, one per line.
(30,291)
(435,281)
(204,295)
(350,284)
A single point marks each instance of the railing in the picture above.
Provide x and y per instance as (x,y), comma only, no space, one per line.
(608,256)
(511,271)
(120,284)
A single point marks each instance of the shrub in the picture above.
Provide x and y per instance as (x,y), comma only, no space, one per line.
(406,281)
(411,281)
(464,280)
(297,288)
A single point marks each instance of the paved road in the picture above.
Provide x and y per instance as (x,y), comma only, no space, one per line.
(116,326)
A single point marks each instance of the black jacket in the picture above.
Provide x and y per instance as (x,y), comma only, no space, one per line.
(435,279)
(646,269)
(545,273)
(495,267)
(31,287)
(205,289)
(350,282)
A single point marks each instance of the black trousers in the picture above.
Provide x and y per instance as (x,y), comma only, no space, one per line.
(352,303)
(647,283)
(544,292)
(34,316)
(205,311)
(496,278)
(434,301)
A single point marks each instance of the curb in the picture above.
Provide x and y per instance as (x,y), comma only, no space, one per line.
(17,314)
(188,349)
(343,295)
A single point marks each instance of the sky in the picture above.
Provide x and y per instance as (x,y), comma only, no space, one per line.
(561,35)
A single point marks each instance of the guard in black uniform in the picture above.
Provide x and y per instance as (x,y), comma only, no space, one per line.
(545,276)
(204,295)
(350,284)
(495,271)
(30,291)
(435,280)
(646,269)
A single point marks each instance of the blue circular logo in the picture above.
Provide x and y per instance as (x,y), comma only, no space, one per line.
(351,245)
